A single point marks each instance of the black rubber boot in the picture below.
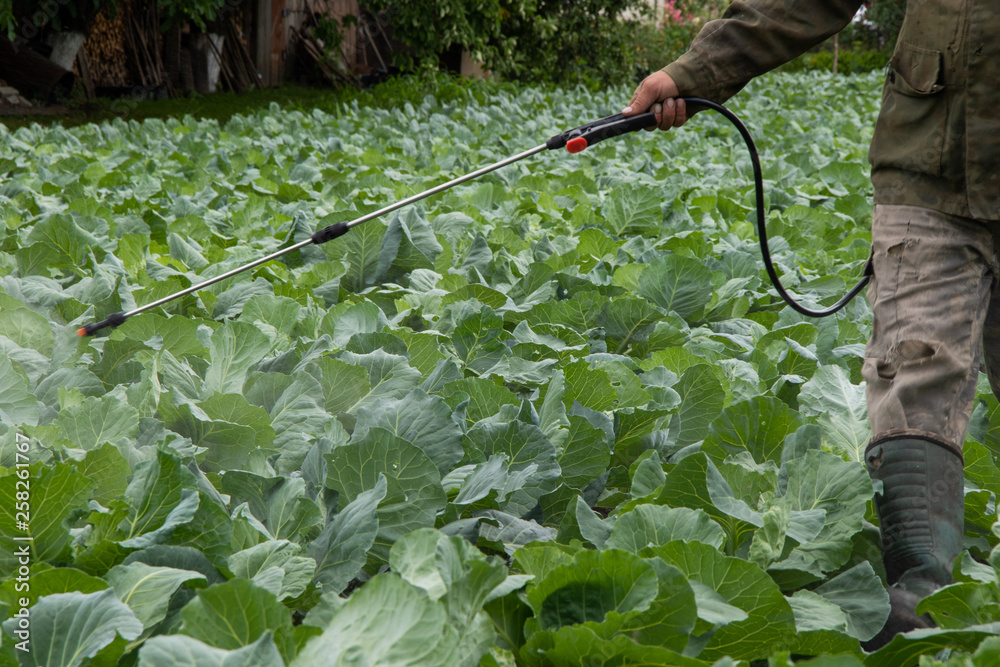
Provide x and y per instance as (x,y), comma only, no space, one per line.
(921,513)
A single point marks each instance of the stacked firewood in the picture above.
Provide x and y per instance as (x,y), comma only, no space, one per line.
(105,49)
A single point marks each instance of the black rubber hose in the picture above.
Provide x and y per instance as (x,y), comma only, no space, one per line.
(765,251)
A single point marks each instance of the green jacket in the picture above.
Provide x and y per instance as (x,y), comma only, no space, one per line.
(937,138)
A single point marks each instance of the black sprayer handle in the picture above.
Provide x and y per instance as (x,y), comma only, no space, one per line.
(577,139)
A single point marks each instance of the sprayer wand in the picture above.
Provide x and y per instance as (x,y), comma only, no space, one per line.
(574,141)
(322,236)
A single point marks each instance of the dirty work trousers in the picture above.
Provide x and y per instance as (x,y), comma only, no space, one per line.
(935,293)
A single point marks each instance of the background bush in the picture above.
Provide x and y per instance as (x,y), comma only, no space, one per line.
(558,41)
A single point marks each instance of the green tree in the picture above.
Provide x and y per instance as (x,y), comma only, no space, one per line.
(887,15)
(532,40)
(201,12)
(566,42)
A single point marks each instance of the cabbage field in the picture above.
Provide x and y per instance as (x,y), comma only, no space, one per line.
(554,416)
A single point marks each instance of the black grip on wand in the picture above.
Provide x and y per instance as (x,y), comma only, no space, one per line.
(579,138)
(113,320)
(329,233)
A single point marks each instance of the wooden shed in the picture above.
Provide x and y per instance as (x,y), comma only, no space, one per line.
(252,43)
(278,24)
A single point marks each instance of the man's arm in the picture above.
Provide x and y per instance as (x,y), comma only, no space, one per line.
(752,37)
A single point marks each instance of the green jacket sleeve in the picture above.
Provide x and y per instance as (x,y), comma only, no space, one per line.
(753,37)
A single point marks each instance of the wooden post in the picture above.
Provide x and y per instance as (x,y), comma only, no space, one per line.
(278,43)
(340,9)
(172,56)
(84,65)
(262,41)
(836,52)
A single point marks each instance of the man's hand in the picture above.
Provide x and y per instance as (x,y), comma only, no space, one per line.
(658,93)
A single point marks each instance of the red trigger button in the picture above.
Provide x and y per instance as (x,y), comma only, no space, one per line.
(576,144)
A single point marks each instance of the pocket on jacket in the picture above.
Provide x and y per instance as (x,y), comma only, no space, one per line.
(912,124)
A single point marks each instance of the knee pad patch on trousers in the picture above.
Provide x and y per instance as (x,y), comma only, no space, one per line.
(902,352)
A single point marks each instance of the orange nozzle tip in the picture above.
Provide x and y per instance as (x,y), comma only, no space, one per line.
(82,331)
